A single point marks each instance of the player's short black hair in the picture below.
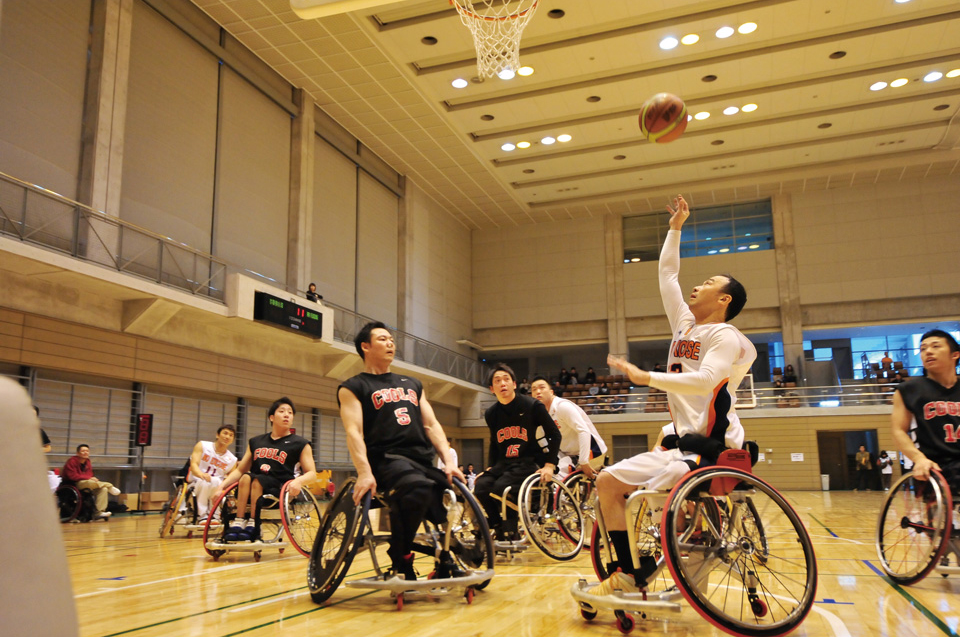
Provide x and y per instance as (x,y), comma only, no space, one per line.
(230,427)
(276,405)
(363,336)
(500,367)
(951,342)
(81,446)
(541,377)
(738,297)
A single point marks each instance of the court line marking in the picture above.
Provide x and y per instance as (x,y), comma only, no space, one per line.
(290,595)
(104,591)
(926,612)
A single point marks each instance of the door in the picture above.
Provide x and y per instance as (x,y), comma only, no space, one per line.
(832,448)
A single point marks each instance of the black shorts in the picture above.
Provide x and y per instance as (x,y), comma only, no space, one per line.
(396,475)
(271,484)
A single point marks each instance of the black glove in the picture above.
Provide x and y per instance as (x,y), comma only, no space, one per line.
(710,448)
(670,441)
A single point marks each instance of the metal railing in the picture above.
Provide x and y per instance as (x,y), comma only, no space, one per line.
(38,216)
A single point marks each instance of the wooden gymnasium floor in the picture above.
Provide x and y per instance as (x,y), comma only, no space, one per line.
(128,581)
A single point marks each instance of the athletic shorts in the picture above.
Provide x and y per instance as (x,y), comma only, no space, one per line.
(271,484)
(657,470)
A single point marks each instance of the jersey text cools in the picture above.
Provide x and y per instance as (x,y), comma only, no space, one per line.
(511,432)
(936,408)
(393,395)
(270,454)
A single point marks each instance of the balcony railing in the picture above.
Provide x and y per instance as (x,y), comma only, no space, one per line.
(38,216)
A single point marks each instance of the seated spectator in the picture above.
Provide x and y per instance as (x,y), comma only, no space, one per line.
(886,362)
(564,378)
(312,293)
(558,388)
(524,387)
(789,376)
(604,390)
(574,376)
(78,471)
(779,393)
(590,377)
(617,404)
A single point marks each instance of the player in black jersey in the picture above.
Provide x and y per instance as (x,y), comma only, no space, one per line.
(270,461)
(515,451)
(934,401)
(392,433)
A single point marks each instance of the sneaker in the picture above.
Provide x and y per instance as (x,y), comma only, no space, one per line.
(113,491)
(447,568)
(102,515)
(404,568)
(251,533)
(617,581)
(234,531)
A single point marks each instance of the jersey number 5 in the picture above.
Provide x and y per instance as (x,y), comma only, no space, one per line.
(403,418)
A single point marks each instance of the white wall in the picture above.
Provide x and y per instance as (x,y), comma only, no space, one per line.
(884,241)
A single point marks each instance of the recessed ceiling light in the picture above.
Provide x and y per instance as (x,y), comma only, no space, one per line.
(668,43)
(941,107)
(932,76)
(564,138)
(878,86)
(746,234)
(593,98)
(528,171)
(717,142)
(709,78)
(731,110)
(701,115)
(836,55)
(748,108)
(487,118)
(460,83)
(901,1)
(626,260)
(507,74)
(742,248)
(508,147)
(547,140)
(754,246)
(711,252)
(635,260)
(724,32)
(690,38)
(953,73)
(619,157)
(525,71)
(429,40)
(747,27)
(689,117)
(523,144)
(897,83)
(556,14)
(824,125)
(722,250)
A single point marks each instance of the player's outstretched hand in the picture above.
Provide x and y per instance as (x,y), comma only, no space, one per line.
(678,212)
(619,362)
(364,484)
(922,467)
(294,488)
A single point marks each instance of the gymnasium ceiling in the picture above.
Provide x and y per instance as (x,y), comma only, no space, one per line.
(808,67)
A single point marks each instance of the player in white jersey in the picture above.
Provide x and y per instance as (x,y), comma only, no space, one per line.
(708,359)
(209,463)
(581,446)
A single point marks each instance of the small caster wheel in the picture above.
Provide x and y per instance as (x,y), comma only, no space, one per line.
(189,534)
(588,613)
(216,555)
(624,622)
(257,555)
(399,601)
(468,595)
(281,551)
(759,607)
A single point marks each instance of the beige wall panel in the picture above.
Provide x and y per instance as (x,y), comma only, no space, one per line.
(568,254)
(170,141)
(441,309)
(79,336)
(253,185)
(333,243)
(43,64)
(11,335)
(153,351)
(377,227)
(152,377)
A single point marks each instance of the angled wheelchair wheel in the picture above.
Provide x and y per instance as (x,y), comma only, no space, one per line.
(226,506)
(551,517)
(301,518)
(647,530)
(171,510)
(583,489)
(69,502)
(743,559)
(470,543)
(912,529)
(336,543)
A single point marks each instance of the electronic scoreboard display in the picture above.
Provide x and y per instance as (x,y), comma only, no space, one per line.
(289,314)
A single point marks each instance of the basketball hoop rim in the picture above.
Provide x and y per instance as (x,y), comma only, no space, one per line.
(475,16)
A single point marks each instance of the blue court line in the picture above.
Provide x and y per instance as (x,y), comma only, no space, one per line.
(823,525)
(926,612)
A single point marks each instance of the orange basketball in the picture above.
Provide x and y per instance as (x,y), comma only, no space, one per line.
(663,118)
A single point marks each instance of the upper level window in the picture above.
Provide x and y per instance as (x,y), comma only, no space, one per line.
(710,230)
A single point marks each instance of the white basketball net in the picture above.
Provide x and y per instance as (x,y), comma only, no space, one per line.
(496,26)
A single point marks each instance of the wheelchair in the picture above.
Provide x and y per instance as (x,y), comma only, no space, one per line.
(75,505)
(181,510)
(297,517)
(346,530)
(582,489)
(723,540)
(918,530)
(549,516)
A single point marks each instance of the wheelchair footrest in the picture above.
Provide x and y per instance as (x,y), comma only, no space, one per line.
(439,586)
(627,601)
(259,545)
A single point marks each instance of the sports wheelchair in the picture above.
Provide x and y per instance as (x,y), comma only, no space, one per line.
(181,510)
(297,516)
(549,517)
(919,529)
(75,505)
(346,530)
(723,540)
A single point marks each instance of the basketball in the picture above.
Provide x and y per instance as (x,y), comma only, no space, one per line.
(663,118)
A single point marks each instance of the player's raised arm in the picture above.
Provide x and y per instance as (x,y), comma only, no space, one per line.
(669,267)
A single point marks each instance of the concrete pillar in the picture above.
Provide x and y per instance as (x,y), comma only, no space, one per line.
(300,215)
(404,265)
(788,284)
(616,308)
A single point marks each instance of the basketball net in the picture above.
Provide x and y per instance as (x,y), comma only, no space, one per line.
(496,26)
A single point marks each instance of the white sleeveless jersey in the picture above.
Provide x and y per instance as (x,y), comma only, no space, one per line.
(213,463)
(712,360)
(576,428)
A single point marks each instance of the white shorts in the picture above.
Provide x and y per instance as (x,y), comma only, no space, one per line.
(656,470)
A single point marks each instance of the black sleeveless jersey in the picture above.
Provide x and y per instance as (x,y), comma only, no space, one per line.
(391,416)
(937,412)
(276,458)
(513,432)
